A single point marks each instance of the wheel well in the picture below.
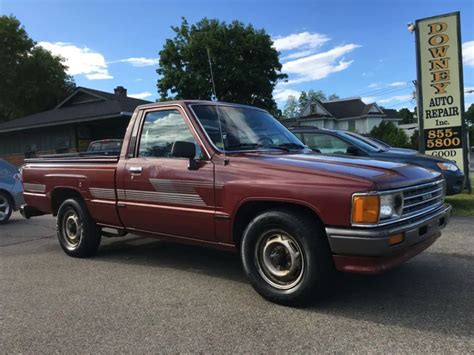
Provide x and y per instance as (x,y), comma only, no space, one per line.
(7,194)
(60,195)
(248,211)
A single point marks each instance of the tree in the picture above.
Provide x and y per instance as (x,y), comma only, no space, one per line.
(414,140)
(406,115)
(312,95)
(31,79)
(246,66)
(469,119)
(291,109)
(391,134)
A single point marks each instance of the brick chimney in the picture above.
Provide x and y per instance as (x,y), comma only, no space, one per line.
(120,91)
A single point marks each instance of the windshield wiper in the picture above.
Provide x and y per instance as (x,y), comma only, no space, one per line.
(292,145)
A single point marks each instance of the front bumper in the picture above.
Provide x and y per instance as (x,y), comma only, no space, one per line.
(368,251)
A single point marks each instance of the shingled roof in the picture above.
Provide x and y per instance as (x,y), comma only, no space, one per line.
(83,104)
(353,107)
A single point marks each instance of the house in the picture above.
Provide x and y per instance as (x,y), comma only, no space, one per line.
(84,116)
(347,114)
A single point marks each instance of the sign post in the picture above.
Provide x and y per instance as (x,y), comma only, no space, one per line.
(441,88)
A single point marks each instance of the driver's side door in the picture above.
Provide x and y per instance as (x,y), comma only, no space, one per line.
(157,192)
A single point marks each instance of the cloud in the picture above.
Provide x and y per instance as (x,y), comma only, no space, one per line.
(299,40)
(141,95)
(368,99)
(99,76)
(281,95)
(373,86)
(80,61)
(468,53)
(320,65)
(140,61)
(398,98)
(398,84)
(298,54)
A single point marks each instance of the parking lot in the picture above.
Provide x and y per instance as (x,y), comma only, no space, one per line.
(142,295)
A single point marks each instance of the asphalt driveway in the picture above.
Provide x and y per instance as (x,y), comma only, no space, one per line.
(141,295)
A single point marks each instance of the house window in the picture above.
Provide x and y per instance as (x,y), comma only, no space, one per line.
(312,109)
(352,125)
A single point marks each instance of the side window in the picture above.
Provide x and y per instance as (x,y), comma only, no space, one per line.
(326,143)
(160,130)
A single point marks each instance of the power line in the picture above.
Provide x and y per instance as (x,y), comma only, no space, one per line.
(383,90)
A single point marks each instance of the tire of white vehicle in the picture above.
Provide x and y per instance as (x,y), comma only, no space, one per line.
(78,234)
(286,257)
(6,207)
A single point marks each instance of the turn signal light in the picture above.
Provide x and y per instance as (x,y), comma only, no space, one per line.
(396,239)
(365,209)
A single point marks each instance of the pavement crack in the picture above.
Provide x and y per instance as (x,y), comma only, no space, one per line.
(26,241)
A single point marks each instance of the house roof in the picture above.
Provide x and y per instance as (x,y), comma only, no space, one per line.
(83,104)
(391,113)
(352,107)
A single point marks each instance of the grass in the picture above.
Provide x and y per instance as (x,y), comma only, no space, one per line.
(463,204)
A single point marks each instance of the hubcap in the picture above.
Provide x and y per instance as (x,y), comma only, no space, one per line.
(72,230)
(4,208)
(279,259)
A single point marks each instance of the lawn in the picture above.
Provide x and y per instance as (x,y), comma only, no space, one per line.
(463,204)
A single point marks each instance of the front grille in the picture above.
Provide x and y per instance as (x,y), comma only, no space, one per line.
(422,198)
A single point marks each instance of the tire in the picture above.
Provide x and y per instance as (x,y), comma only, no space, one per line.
(286,257)
(6,207)
(78,234)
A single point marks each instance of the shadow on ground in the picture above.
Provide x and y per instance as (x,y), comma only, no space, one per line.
(432,292)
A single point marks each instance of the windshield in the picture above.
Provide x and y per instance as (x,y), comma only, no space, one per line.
(365,142)
(244,128)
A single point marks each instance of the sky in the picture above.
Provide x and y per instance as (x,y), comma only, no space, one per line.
(350,48)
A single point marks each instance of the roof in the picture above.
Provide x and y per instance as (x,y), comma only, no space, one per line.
(353,107)
(349,108)
(391,113)
(83,104)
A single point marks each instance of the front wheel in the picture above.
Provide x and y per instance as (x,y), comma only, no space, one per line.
(6,207)
(286,257)
(78,234)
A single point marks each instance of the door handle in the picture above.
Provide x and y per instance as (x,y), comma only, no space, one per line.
(136,169)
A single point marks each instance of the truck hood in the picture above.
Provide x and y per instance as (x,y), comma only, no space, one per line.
(383,174)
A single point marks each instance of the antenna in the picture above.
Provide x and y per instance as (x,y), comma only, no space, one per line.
(214,95)
(214,98)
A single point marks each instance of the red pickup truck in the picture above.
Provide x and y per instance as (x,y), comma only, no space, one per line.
(232,177)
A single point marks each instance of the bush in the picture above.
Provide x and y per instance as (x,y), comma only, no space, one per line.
(391,134)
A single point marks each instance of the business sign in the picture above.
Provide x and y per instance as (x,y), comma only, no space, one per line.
(440,88)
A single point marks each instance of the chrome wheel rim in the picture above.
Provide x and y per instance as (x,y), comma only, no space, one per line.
(4,208)
(280,259)
(72,229)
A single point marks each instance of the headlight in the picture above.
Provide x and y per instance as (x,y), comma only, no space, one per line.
(372,208)
(447,166)
(390,206)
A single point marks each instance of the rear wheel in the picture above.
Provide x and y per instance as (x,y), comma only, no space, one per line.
(6,207)
(78,234)
(286,257)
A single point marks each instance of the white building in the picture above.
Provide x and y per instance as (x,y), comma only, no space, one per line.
(347,114)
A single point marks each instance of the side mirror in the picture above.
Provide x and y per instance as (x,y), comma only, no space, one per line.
(183,149)
(353,150)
